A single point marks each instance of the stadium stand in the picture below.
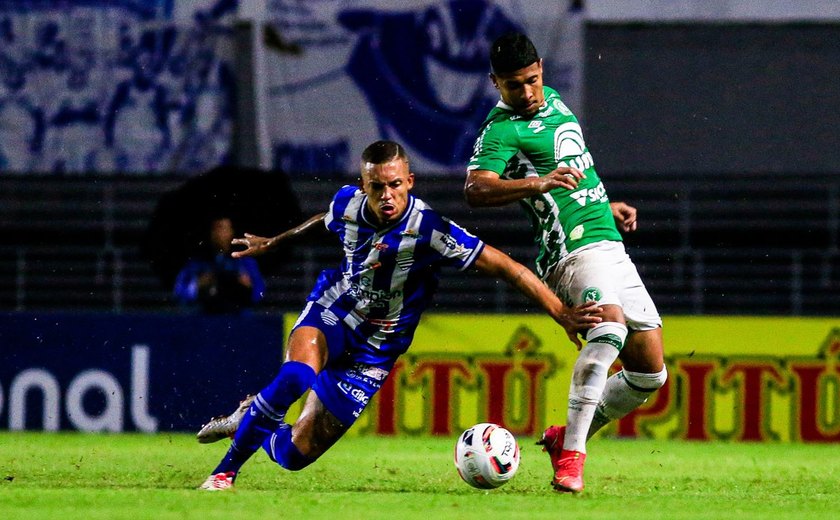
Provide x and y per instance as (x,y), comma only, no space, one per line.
(744,244)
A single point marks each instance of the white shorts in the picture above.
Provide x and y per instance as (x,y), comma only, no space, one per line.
(603,272)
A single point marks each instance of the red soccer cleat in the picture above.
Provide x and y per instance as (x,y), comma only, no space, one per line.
(552,442)
(569,475)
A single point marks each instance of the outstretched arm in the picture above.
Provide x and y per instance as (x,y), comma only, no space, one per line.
(256,246)
(485,188)
(575,319)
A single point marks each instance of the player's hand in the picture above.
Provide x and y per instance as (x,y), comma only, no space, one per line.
(254,245)
(624,215)
(578,319)
(563,177)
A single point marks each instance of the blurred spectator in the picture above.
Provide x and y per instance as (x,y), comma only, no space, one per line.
(214,282)
(256,200)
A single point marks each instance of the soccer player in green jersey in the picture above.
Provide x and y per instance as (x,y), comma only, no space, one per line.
(530,149)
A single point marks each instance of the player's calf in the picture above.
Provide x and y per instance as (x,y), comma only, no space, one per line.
(624,392)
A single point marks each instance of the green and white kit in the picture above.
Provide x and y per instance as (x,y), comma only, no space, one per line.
(581,255)
(516,147)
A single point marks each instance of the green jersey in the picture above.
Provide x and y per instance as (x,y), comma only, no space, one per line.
(516,147)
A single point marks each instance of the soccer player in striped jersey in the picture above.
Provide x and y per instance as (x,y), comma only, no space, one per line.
(530,149)
(362,316)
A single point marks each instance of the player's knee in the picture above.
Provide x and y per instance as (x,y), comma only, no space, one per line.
(608,333)
(291,382)
(645,382)
(604,342)
(282,450)
(596,358)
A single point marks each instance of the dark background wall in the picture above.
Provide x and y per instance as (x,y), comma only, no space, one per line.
(722,135)
(710,98)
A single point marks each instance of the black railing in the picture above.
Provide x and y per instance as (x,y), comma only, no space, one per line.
(739,245)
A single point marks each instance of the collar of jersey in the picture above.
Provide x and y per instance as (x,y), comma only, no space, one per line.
(504,106)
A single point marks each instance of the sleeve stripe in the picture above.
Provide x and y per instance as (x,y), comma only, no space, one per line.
(474,256)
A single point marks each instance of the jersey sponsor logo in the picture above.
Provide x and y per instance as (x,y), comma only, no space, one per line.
(410,233)
(596,194)
(449,242)
(380,246)
(367,374)
(581,162)
(375,372)
(359,395)
(361,293)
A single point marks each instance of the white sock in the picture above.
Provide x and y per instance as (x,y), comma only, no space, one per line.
(624,392)
(589,377)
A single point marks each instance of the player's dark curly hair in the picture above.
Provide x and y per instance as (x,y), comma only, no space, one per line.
(512,52)
(381,152)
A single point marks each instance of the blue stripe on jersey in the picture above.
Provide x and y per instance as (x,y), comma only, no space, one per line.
(388,276)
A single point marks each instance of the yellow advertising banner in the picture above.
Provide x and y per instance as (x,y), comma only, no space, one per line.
(730,378)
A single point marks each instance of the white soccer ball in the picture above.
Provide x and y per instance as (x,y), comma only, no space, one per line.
(486,456)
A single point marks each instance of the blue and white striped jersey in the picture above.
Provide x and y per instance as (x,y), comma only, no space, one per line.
(388,276)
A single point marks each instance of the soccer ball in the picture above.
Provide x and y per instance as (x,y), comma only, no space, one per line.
(486,456)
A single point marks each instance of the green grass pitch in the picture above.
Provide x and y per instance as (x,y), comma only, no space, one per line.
(134,476)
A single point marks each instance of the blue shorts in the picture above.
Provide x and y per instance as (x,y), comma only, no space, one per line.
(355,371)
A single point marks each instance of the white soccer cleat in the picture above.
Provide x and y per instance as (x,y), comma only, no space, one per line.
(218,482)
(224,425)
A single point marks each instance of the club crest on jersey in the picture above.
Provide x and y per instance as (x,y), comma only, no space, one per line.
(559,105)
(404,260)
(591,294)
(380,246)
